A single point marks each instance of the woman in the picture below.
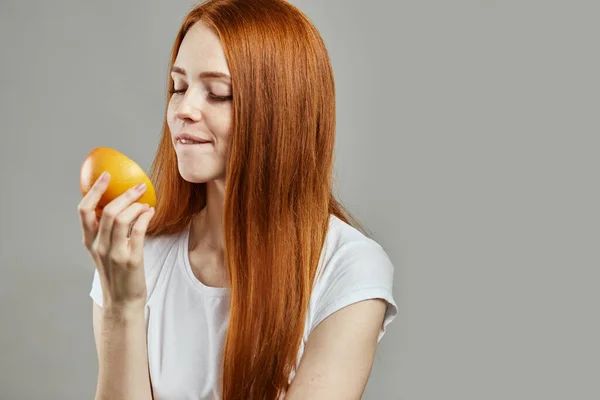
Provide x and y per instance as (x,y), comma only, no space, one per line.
(248,281)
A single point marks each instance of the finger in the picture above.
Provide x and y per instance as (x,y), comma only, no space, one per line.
(138,232)
(110,212)
(87,208)
(122,225)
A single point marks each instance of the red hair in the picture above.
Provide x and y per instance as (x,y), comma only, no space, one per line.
(278,196)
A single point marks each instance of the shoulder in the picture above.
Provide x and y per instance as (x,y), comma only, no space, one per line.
(162,252)
(347,249)
(156,247)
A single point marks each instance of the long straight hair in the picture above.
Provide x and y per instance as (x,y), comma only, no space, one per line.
(278,196)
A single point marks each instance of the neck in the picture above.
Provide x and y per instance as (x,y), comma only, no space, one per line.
(206,233)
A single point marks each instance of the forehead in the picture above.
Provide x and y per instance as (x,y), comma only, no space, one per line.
(201,50)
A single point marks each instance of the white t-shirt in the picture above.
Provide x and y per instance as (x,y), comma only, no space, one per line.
(186,321)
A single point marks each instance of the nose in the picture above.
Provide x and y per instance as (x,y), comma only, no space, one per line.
(189,108)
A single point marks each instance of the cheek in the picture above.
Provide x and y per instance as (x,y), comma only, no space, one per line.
(225,123)
(170,114)
(225,128)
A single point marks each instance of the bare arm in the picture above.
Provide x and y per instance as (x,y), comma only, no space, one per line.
(122,350)
(339,354)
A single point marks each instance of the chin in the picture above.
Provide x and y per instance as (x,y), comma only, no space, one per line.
(197,177)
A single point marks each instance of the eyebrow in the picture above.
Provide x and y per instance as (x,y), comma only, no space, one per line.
(205,74)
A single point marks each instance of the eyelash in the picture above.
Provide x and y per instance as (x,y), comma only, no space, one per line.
(212,96)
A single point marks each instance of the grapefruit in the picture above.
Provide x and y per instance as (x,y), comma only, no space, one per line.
(124,174)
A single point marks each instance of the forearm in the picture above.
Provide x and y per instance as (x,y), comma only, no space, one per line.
(123,357)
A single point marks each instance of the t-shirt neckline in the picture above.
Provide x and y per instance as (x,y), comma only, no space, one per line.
(195,282)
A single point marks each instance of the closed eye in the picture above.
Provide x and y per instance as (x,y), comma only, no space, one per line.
(210,94)
(220,98)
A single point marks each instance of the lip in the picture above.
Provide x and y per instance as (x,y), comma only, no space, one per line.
(187,136)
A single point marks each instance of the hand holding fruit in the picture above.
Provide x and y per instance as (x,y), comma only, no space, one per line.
(107,211)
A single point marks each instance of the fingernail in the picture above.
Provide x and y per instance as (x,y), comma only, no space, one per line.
(140,187)
(104,176)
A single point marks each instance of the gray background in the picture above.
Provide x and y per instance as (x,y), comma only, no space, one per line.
(467,144)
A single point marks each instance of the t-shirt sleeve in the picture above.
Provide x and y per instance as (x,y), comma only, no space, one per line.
(96,292)
(357,271)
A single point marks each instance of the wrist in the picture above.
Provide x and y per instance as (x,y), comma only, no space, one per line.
(123,312)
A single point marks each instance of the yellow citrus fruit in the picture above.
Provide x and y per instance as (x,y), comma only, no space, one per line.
(124,174)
